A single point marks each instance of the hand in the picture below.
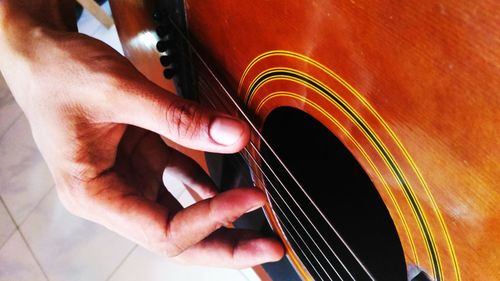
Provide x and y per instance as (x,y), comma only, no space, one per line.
(97,121)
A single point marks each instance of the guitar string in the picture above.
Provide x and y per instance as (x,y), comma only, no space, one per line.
(289,236)
(289,194)
(247,118)
(287,171)
(258,181)
(260,137)
(255,149)
(293,199)
(252,144)
(277,205)
(291,224)
(300,248)
(303,212)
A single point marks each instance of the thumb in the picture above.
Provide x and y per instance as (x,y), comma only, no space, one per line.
(182,121)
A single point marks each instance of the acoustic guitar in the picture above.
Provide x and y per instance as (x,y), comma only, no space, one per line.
(375,124)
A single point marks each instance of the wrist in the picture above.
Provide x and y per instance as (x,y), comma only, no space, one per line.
(26,39)
(52,14)
(25,24)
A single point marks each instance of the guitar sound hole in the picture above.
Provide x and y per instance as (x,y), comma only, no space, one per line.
(342,191)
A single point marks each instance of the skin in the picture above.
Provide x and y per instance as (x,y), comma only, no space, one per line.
(99,125)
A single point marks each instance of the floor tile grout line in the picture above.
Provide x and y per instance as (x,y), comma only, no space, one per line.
(33,255)
(21,114)
(8,237)
(34,207)
(121,262)
(17,228)
(13,222)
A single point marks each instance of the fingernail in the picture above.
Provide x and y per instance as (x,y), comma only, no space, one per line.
(226,130)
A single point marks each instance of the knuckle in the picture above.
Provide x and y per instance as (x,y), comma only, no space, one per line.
(212,209)
(184,120)
(171,251)
(170,248)
(214,214)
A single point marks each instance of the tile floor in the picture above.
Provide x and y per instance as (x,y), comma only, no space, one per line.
(40,240)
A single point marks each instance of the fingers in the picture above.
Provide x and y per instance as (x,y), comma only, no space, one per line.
(156,166)
(191,225)
(169,230)
(180,120)
(235,248)
(184,170)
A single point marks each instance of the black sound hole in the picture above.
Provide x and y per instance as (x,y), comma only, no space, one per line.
(341,189)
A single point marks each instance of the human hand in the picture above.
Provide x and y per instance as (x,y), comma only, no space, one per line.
(98,121)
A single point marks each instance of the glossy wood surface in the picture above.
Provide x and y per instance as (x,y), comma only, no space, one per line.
(136,30)
(431,71)
(422,76)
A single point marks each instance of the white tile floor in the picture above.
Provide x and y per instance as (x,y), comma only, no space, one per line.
(40,240)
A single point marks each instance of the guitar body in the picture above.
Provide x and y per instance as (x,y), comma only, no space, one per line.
(376,126)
